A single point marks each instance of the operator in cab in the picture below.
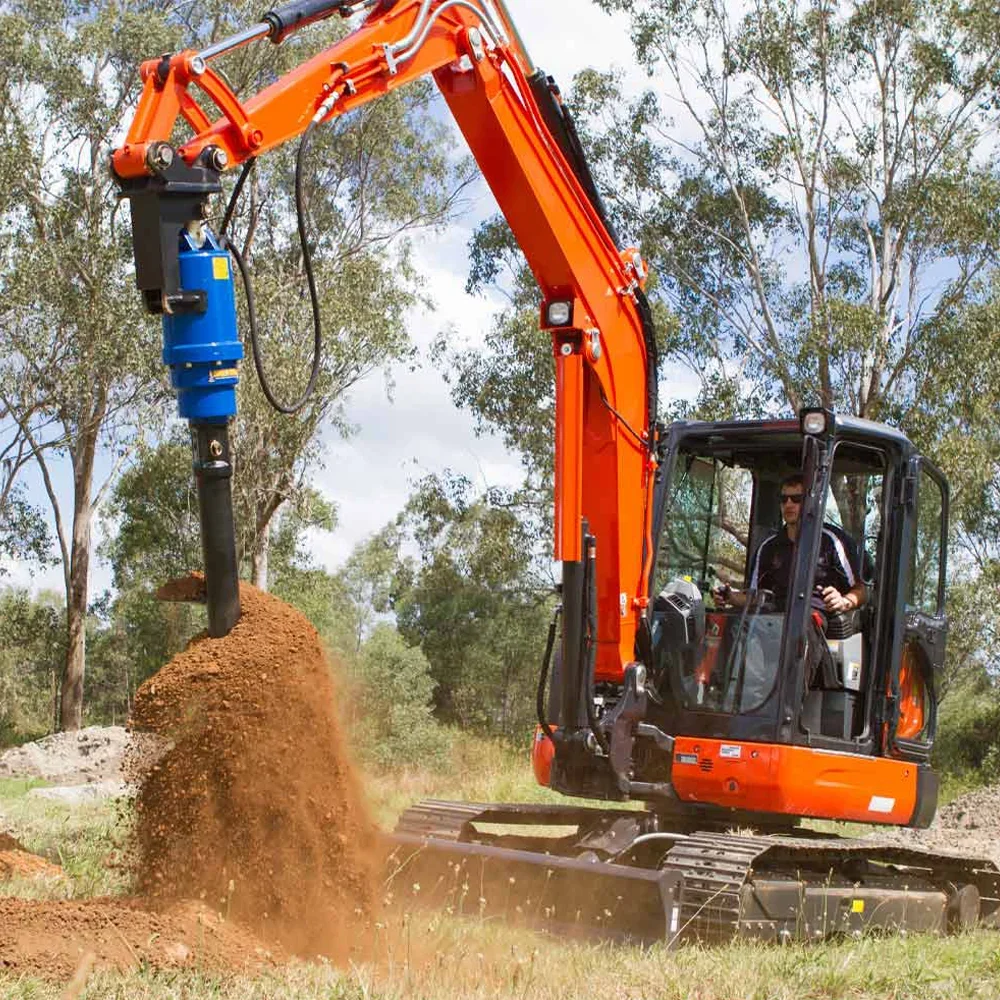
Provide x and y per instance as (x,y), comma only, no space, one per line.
(837,587)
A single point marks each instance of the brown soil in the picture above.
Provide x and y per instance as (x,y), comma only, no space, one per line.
(969,825)
(51,939)
(256,809)
(8,843)
(18,863)
(186,588)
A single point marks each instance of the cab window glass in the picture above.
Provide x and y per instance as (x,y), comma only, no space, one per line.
(708,523)
(854,503)
(925,567)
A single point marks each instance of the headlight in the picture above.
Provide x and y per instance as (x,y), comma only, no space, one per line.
(814,422)
(559,313)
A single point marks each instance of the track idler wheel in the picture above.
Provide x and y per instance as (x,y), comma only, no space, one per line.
(963,908)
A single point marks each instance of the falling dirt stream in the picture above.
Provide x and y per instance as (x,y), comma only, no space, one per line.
(252,825)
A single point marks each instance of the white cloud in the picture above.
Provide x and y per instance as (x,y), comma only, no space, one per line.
(418,431)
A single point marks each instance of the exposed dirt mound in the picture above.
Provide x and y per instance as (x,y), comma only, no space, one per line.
(976,810)
(51,939)
(969,825)
(15,862)
(256,809)
(8,843)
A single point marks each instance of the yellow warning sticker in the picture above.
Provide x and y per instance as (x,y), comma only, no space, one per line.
(220,268)
(217,373)
(857,906)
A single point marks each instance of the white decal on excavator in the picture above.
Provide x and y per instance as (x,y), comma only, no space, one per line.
(880,804)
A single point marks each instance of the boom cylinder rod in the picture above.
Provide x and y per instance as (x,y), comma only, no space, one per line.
(571,670)
(246,36)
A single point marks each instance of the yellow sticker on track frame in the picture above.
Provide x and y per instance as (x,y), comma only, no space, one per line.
(220,268)
(857,906)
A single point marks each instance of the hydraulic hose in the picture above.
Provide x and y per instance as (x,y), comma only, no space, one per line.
(300,207)
(589,646)
(544,676)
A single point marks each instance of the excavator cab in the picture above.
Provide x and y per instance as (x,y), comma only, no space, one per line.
(779,669)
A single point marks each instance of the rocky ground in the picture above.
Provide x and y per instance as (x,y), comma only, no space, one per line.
(83,766)
(968,825)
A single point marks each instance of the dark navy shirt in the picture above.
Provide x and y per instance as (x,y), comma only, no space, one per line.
(772,565)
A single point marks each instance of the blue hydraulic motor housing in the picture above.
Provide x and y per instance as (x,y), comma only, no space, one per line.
(202,349)
(200,345)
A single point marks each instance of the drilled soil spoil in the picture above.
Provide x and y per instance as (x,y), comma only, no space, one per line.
(251,841)
(256,809)
(52,939)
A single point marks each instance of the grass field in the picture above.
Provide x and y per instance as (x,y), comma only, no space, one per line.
(433,956)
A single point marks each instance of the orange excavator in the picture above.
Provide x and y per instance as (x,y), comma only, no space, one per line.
(729,723)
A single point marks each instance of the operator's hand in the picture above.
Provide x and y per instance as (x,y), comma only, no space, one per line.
(722,594)
(834,601)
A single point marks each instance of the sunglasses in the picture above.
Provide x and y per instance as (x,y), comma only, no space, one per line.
(795,498)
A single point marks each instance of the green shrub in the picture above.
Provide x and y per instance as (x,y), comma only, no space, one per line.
(968,737)
(393,719)
(32,645)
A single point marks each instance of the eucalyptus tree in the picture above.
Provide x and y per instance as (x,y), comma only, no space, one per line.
(80,382)
(77,359)
(475,600)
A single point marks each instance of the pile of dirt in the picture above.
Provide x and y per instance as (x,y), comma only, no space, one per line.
(250,839)
(255,809)
(52,939)
(976,810)
(968,825)
(16,862)
(88,756)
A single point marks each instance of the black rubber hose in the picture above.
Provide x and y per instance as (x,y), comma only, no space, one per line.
(235,196)
(258,360)
(589,651)
(544,676)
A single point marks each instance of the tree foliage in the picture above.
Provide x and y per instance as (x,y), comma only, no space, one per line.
(77,360)
(32,645)
(474,602)
(392,703)
(825,194)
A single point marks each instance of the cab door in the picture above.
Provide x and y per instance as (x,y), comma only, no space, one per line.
(913,718)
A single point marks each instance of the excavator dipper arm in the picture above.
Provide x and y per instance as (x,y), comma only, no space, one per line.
(592,298)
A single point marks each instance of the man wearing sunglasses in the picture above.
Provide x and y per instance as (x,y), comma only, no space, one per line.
(838,588)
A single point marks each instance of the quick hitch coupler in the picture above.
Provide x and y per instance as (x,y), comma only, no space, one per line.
(202,349)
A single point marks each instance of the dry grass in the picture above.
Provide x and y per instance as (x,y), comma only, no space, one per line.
(432,955)
(471,962)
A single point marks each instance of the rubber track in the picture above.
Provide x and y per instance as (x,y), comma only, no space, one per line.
(714,867)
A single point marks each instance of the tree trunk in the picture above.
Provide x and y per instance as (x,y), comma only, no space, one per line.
(259,562)
(78,585)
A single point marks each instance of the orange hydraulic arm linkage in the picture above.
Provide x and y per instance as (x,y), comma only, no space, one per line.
(593,303)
